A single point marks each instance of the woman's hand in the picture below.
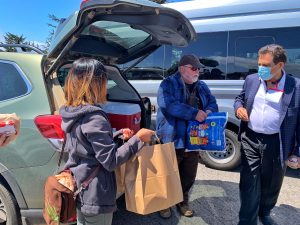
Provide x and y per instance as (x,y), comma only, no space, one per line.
(127,133)
(145,135)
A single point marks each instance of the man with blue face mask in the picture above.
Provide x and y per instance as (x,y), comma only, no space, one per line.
(182,97)
(269,109)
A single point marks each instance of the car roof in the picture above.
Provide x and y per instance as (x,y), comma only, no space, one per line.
(229,15)
(229,8)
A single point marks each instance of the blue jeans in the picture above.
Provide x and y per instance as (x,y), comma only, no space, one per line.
(100,219)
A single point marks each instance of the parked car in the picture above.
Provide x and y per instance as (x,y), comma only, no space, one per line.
(113,31)
(229,35)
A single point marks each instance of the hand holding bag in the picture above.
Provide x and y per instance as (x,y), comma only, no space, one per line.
(208,135)
(152,180)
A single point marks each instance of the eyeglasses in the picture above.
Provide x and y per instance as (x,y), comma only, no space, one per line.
(192,68)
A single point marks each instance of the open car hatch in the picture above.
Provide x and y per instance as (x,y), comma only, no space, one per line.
(117,31)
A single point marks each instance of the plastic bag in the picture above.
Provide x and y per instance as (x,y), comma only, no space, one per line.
(208,135)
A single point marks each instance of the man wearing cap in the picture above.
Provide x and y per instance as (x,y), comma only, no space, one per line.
(182,97)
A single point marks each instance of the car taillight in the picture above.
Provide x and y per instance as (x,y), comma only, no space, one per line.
(50,127)
(83,1)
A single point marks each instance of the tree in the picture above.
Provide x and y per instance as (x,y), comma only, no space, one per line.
(13,39)
(53,24)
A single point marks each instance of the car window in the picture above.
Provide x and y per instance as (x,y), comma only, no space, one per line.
(111,84)
(151,68)
(13,82)
(164,61)
(244,46)
(115,32)
(211,48)
(243,52)
(289,39)
(62,74)
(144,74)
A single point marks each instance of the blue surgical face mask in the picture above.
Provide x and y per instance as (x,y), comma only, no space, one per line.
(264,72)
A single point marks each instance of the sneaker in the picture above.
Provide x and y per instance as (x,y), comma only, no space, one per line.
(165,213)
(185,210)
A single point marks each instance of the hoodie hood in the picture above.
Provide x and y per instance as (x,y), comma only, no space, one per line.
(71,114)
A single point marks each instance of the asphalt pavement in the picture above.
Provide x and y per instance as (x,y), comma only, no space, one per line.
(215,200)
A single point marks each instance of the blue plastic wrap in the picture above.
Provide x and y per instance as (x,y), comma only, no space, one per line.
(208,135)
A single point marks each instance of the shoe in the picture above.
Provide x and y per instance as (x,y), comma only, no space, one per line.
(165,213)
(267,220)
(185,210)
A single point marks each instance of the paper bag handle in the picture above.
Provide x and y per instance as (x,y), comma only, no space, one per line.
(156,137)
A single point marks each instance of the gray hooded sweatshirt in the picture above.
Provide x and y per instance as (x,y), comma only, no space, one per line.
(90,143)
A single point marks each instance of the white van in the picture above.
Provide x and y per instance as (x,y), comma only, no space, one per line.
(230,33)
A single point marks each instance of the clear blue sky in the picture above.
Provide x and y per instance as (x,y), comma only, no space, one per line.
(30,17)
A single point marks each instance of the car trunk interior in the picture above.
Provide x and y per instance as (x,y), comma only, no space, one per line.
(119,94)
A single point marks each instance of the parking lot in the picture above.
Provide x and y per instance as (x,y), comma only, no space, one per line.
(215,199)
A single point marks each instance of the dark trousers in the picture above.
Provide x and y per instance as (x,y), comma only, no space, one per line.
(187,165)
(261,175)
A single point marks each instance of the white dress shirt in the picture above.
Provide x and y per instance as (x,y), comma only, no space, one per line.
(265,114)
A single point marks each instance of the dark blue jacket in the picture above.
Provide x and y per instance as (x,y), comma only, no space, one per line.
(90,143)
(289,116)
(174,112)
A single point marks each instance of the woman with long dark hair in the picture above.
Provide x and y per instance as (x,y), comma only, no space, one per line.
(90,141)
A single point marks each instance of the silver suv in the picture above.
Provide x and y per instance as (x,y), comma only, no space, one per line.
(229,35)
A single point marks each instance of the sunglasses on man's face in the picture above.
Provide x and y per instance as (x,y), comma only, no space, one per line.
(192,68)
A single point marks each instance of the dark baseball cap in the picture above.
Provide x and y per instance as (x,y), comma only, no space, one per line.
(190,59)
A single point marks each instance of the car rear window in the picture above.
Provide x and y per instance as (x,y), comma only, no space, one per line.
(115,32)
(13,82)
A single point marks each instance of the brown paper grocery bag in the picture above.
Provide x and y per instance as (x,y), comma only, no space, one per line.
(120,178)
(152,181)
